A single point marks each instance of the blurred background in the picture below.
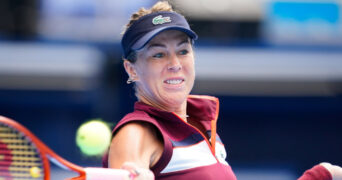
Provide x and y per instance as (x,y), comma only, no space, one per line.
(276,66)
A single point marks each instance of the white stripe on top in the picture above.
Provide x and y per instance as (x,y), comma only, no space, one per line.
(188,157)
(220,153)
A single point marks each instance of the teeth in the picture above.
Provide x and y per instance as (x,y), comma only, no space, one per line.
(174,81)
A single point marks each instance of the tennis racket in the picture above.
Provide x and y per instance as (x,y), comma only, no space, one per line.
(24,157)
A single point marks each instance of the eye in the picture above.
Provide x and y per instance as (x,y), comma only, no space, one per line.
(158,55)
(183,52)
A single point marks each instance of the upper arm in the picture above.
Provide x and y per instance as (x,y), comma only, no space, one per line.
(135,142)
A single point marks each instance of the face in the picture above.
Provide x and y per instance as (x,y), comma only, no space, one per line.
(164,71)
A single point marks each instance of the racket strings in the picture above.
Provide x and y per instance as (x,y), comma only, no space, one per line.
(19,158)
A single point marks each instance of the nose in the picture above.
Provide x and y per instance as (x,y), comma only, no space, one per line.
(174,64)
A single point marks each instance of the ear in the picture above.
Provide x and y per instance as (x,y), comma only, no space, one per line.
(130,69)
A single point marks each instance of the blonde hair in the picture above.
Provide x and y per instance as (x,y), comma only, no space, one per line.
(159,6)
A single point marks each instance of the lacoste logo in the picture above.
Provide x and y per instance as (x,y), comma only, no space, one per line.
(160,20)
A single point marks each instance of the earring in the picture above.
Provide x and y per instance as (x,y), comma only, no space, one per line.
(129,80)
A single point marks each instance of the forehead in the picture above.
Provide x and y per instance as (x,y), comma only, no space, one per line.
(169,35)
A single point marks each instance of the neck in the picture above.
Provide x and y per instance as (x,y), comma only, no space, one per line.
(182,112)
(178,110)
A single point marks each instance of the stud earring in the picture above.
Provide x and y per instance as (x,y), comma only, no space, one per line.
(129,80)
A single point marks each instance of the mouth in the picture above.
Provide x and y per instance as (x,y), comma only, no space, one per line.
(174,81)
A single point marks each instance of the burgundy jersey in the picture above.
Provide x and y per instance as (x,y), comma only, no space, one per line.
(189,152)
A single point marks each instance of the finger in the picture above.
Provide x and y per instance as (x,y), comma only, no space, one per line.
(131,167)
(139,173)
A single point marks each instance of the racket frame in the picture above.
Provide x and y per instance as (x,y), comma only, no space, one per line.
(45,152)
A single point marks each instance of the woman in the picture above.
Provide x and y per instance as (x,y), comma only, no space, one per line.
(169,132)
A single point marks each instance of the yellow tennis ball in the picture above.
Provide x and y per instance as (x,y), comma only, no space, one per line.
(93,137)
(35,172)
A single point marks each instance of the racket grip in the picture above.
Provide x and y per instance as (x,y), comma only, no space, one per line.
(107,174)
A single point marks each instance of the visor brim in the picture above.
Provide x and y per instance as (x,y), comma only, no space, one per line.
(150,35)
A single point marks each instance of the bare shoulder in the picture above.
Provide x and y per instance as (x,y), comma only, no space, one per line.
(137,132)
(137,142)
(137,126)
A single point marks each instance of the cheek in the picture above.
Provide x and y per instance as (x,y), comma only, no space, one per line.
(149,72)
(190,68)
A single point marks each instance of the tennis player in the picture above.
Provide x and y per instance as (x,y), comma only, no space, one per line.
(170,134)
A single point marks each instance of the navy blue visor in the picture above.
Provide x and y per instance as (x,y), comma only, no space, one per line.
(148,26)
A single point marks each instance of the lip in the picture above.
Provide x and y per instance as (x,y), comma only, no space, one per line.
(174,79)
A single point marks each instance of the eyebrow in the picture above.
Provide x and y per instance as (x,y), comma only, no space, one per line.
(155,45)
(186,40)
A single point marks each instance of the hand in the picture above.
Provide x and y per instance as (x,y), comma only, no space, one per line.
(138,173)
(335,171)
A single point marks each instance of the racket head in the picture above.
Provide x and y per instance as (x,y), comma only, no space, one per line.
(24,156)
(41,151)
(20,157)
